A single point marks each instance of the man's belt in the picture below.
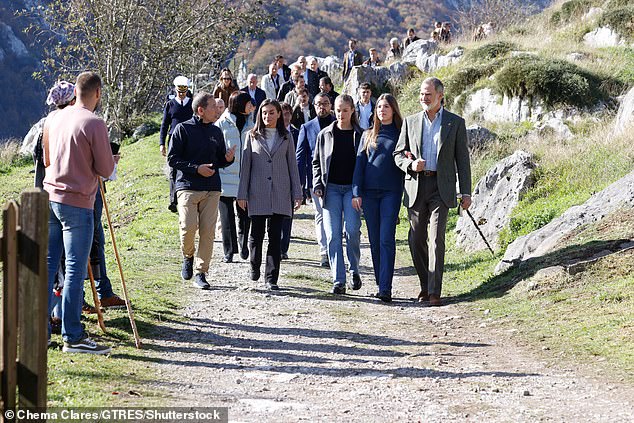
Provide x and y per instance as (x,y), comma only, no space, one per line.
(428,172)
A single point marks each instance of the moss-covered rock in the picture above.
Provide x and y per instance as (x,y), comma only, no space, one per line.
(572,9)
(490,51)
(557,82)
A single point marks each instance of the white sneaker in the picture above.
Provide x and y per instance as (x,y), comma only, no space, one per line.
(87,346)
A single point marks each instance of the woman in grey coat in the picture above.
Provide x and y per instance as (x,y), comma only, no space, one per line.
(269,187)
(235,123)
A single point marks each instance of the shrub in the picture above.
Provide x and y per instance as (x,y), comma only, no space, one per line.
(466,77)
(571,9)
(621,20)
(554,81)
(490,51)
(615,4)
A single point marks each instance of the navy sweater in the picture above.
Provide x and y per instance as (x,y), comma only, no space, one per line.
(378,170)
(195,143)
(173,114)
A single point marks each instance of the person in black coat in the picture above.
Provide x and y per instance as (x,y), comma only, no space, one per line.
(303,111)
(326,87)
(257,94)
(176,110)
(283,68)
(310,77)
(289,85)
(314,66)
(364,108)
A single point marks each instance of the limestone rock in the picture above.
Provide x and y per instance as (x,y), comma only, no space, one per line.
(377,76)
(144,130)
(429,62)
(625,116)
(484,104)
(575,56)
(602,37)
(417,48)
(398,72)
(617,196)
(555,126)
(479,136)
(494,198)
(332,66)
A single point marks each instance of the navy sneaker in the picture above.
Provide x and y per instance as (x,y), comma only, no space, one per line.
(187,271)
(201,282)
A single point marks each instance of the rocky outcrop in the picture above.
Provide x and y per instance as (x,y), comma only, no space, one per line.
(484,104)
(478,136)
(378,76)
(430,62)
(602,37)
(494,198)
(332,66)
(617,196)
(625,116)
(418,48)
(554,127)
(145,130)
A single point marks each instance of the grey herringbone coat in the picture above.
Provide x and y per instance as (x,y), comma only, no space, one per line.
(269,181)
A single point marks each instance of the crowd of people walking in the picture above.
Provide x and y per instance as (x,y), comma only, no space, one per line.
(255,154)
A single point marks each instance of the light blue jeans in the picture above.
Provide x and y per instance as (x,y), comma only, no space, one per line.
(337,207)
(70,230)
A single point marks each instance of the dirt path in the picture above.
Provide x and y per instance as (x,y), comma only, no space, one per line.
(303,355)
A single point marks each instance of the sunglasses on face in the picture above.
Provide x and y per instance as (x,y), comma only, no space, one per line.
(226,78)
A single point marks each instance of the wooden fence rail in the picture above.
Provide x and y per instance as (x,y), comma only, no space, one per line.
(23,327)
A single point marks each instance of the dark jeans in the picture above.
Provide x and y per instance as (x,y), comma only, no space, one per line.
(380,209)
(231,241)
(97,252)
(258,227)
(287,226)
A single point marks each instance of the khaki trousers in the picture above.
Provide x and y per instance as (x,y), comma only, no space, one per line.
(198,211)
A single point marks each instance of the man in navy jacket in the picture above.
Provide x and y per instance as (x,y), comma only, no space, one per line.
(196,152)
(257,94)
(304,152)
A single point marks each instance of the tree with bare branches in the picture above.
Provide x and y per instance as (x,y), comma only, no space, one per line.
(138,45)
(470,14)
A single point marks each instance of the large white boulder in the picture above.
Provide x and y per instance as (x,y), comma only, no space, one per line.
(430,62)
(494,198)
(417,48)
(602,37)
(617,196)
(378,76)
(625,116)
(486,105)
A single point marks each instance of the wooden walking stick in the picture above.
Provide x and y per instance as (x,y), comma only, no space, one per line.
(96,299)
(137,340)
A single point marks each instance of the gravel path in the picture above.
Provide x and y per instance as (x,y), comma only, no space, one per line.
(301,354)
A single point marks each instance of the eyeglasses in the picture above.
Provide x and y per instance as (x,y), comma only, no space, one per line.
(226,78)
(323,103)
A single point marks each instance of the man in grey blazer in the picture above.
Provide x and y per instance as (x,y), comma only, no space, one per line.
(431,148)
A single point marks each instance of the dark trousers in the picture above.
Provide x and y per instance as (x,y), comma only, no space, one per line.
(230,240)
(287,226)
(380,209)
(428,222)
(256,239)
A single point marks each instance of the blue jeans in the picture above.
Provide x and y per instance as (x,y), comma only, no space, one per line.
(380,209)
(338,207)
(102,282)
(70,230)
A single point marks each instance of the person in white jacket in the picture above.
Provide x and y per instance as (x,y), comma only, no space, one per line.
(234,123)
(271,82)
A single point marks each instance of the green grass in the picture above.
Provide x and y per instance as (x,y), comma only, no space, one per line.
(147,239)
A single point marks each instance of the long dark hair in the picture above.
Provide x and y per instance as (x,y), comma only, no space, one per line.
(372,134)
(238,101)
(258,129)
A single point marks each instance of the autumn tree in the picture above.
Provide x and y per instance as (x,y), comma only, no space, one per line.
(137,46)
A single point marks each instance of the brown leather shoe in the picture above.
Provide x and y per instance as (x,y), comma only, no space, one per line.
(423,297)
(113,302)
(88,309)
(435,301)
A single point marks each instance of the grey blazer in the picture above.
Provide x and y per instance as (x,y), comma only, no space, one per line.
(269,181)
(453,156)
(323,154)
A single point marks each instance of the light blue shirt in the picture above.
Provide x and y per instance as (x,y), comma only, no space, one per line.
(366,113)
(431,140)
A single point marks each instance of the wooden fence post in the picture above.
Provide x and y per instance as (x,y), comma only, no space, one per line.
(9,336)
(33,298)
